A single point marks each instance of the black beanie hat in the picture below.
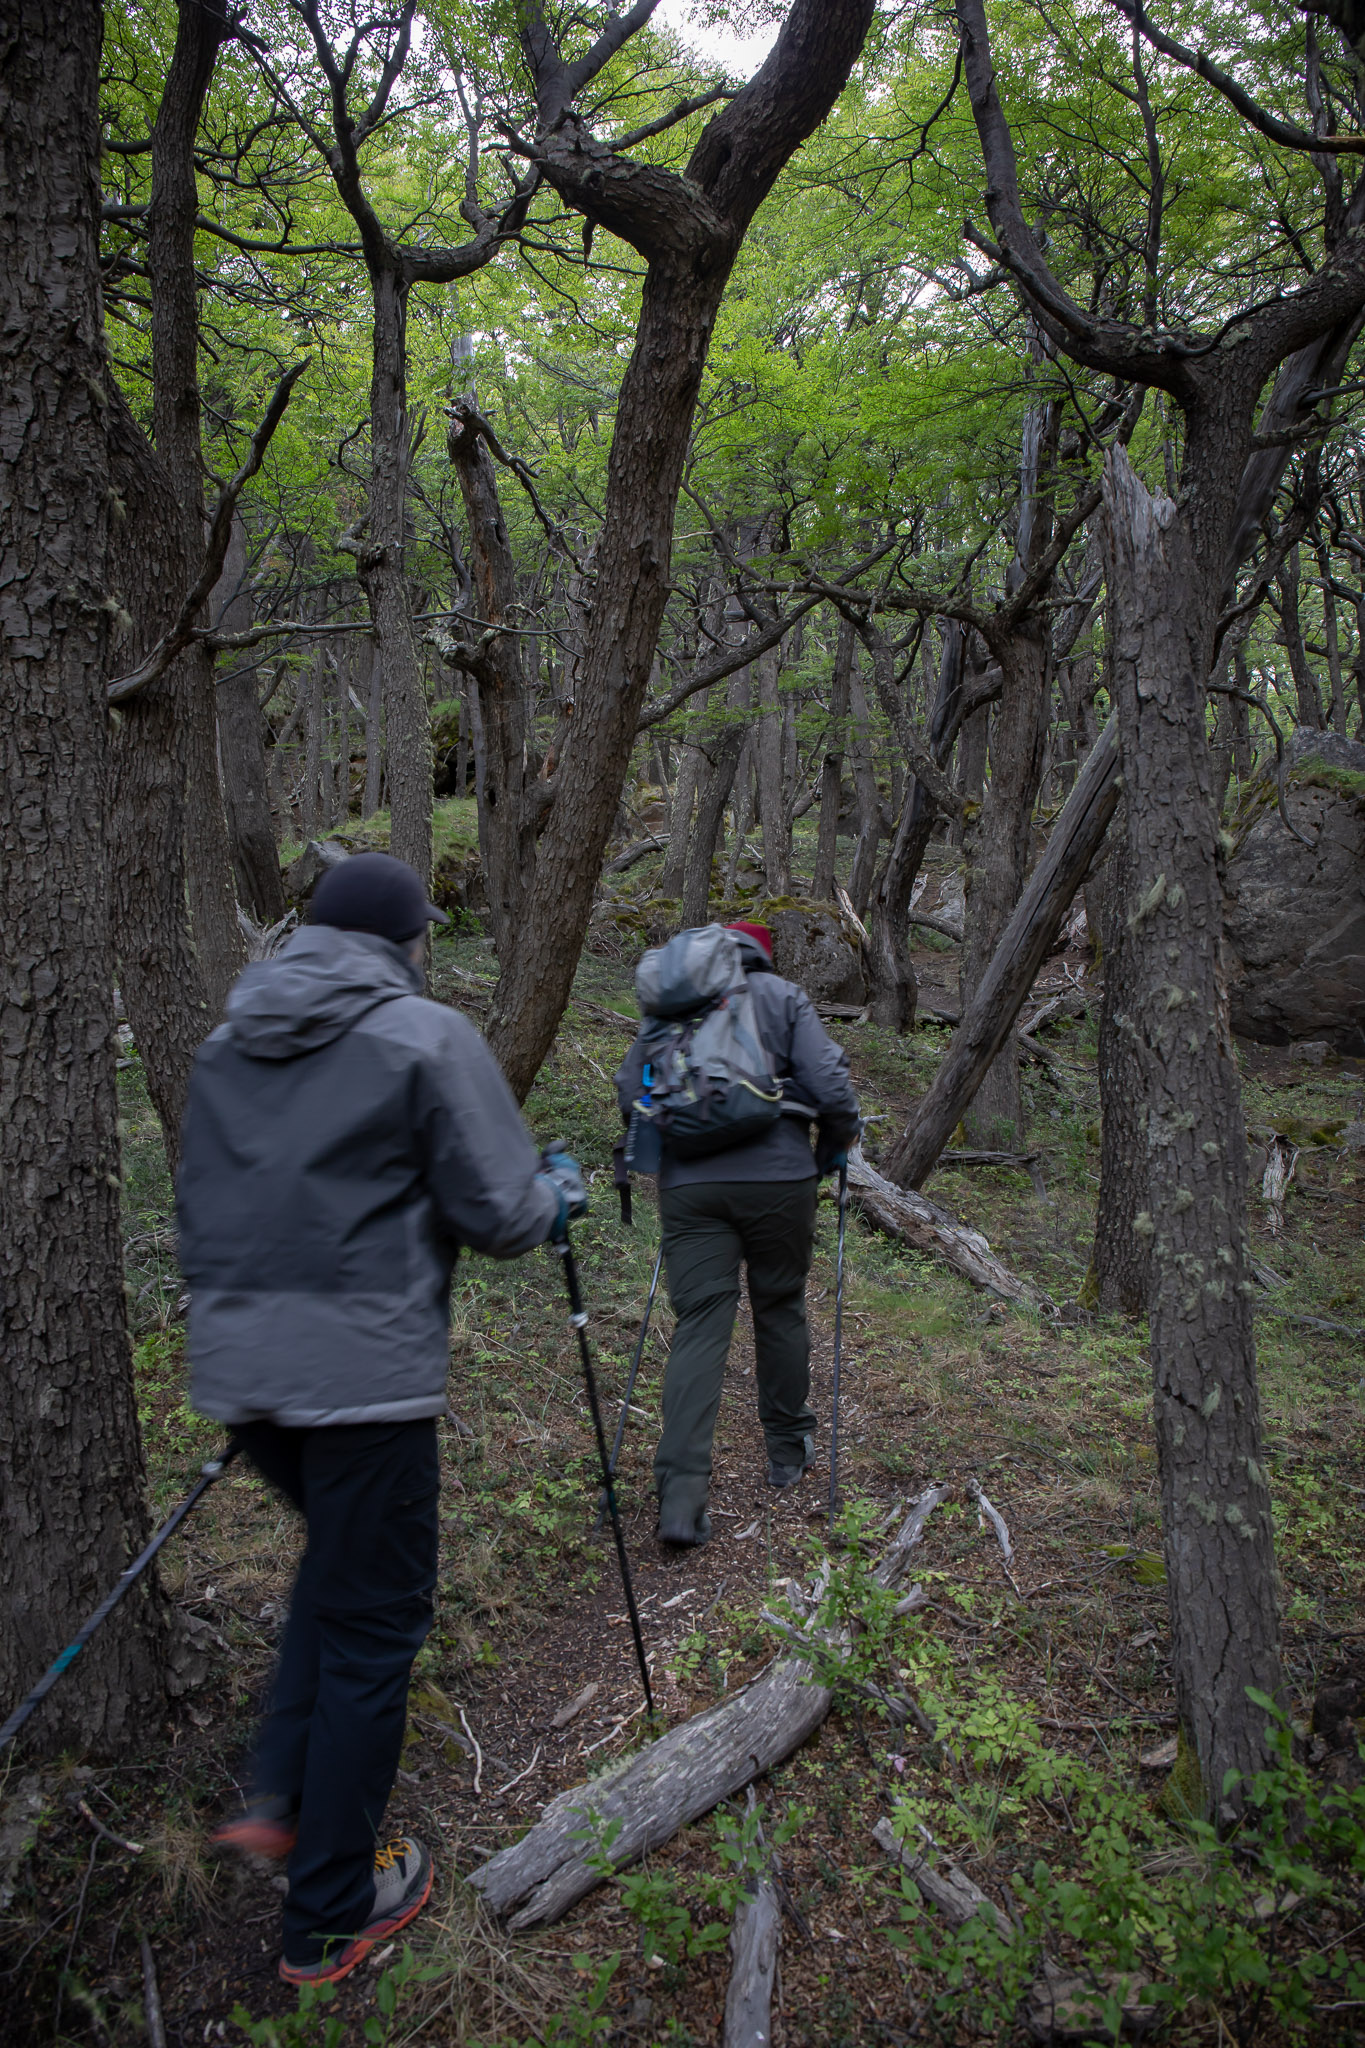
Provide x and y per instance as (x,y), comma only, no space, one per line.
(372,892)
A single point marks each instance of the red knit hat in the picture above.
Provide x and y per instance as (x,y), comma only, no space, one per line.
(759,933)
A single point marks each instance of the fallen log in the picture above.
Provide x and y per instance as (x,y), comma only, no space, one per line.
(941,1885)
(648,1797)
(912,1218)
(753,1966)
(1025,943)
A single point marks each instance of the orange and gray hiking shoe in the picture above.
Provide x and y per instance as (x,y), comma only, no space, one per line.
(402,1886)
(267,1826)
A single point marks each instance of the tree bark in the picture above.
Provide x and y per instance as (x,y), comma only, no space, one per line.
(241,736)
(691,766)
(73,1509)
(689,230)
(894,992)
(726,746)
(374,738)
(507,820)
(1307,694)
(989,1018)
(163,991)
(1122,1249)
(866,799)
(176,420)
(772,810)
(1220,1564)
(753,1966)
(832,774)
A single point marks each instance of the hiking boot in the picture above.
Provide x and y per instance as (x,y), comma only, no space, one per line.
(266,1826)
(784,1471)
(402,1886)
(682,1514)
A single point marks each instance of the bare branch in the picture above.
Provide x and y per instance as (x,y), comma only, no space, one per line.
(173,643)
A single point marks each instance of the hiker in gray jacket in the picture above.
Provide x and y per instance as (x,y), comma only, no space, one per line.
(343,1138)
(753,1202)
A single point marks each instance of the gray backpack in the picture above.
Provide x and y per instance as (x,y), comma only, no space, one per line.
(708,1083)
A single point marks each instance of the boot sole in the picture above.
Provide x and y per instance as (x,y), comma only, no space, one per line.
(356,1951)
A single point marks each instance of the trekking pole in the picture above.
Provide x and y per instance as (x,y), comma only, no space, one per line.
(630,1384)
(208,1474)
(838,1344)
(578,1321)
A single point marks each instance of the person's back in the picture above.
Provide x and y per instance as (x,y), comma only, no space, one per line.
(752,1202)
(343,1139)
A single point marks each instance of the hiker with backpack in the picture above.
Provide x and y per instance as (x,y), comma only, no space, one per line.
(343,1138)
(729,1071)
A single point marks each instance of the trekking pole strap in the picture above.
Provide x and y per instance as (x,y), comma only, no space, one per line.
(209,1474)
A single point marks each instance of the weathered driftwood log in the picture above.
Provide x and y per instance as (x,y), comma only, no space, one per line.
(753,1965)
(905,1214)
(941,1885)
(671,1781)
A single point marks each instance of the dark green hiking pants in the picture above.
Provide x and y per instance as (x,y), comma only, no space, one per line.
(708,1228)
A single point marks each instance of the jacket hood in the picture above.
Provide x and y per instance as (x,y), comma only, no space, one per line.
(321,984)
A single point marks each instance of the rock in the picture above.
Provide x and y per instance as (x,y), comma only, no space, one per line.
(813,947)
(951,908)
(1312,1052)
(1296,913)
(302,876)
(1063,2007)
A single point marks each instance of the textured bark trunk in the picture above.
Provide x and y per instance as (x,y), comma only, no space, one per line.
(742,804)
(998,852)
(158,969)
(772,810)
(972,748)
(1332,636)
(1220,1563)
(241,737)
(176,420)
(73,1508)
(691,766)
(832,774)
(1307,694)
(894,991)
(724,752)
(1122,1251)
(380,565)
(988,1019)
(868,823)
(374,738)
(507,840)
(310,808)
(691,230)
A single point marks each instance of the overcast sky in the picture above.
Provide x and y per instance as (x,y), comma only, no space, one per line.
(740,54)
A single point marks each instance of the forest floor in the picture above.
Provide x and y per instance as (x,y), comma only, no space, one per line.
(1050,1780)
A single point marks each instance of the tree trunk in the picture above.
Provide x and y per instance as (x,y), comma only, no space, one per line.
(158,970)
(691,230)
(988,1019)
(374,739)
(691,765)
(867,802)
(1122,1254)
(972,747)
(1220,1564)
(998,853)
(176,419)
(742,810)
(832,774)
(380,566)
(241,738)
(1332,637)
(1307,694)
(894,991)
(73,1507)
(507,840)
(723,762)
(773,812)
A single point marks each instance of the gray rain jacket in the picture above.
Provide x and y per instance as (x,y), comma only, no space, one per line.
(813,1071)
(343,1138)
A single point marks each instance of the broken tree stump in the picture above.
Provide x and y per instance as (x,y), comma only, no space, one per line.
(753,1966)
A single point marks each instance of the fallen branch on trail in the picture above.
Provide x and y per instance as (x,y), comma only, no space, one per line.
(648,1797)
(656,843)
(753,1959)
(913,1219)
(941,1885)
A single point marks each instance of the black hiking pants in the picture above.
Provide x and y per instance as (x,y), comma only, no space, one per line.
(360,1611)
(708,1228)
